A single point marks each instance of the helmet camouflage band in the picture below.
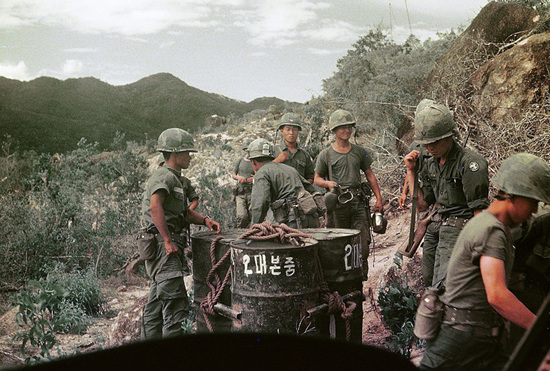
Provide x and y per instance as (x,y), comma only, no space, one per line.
(260,148)
(526,175)
(433,122)
(175,140)
(340,118)
(290,119)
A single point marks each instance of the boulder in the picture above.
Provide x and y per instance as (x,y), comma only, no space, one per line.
(523,70)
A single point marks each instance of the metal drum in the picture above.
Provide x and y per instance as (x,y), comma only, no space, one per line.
(200,245)
(273,285)
(340,257)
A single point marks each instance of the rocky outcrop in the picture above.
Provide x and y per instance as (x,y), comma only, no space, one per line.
(513,80)
(496,23)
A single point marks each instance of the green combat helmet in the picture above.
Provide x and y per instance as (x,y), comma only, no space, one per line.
(432,123)
(291,119)
(246,143)
(340,118)
(423,104)
(260,148)
(526,175)
(175,140)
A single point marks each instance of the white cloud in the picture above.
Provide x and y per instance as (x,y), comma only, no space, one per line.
(72,67)
(334,30)
(317,51)
(278,21)
(81,50)
(126,17)
(18,71)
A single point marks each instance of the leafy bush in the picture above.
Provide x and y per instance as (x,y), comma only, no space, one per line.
(398,304)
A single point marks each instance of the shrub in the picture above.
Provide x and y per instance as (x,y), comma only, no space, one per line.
(398,304)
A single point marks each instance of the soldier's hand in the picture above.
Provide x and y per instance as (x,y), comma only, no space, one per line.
(212,225)
(402,200)
(250,180)
(170,247)
(331,184)
(379,205)
(242,179)
(410,159)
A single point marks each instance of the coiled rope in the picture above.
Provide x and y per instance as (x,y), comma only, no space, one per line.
(213,281)
(280,232)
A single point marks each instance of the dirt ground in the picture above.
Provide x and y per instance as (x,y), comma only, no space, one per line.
(126,301)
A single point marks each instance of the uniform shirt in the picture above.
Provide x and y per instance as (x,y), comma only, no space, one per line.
(243,168)
(460,186)
(300,160)
(189,190)
(346,167)
(272,182)
(175,203)
(484,235)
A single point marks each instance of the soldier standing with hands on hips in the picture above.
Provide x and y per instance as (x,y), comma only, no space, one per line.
(164,215)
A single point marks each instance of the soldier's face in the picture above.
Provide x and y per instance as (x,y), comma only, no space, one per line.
(343,132)
(183,159)
(290,133)
(440,148)
(523,209)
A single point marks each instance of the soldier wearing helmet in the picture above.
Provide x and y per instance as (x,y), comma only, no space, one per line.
(164,213)
(477,298)
(292,154)
(243,173)
(280,187)
(454,178)
(340,166)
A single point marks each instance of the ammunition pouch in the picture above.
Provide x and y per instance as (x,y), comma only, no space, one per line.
(280,210)
(306,202)
(147,245)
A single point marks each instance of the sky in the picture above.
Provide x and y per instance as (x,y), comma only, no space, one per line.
(242,49)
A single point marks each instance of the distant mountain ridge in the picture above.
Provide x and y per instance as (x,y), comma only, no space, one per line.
(51,115)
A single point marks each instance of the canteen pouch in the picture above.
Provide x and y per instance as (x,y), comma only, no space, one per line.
(306,202)
(319,202)
(147,245)
(429,314)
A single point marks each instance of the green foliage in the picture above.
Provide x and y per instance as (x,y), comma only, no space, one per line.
(398,304)
(68,207)
(188,324)
(83,288)
(59,303)
(36,311)
(540,5)
(378,78)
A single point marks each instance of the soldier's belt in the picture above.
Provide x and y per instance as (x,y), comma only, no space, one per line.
(452,221)
(465,320)
(475,330)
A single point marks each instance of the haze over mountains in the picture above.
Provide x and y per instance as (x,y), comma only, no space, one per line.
(51,115)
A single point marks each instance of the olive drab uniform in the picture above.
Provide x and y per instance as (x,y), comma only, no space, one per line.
(346,171)
(301,161)
(471,327)
(469,334)
(279,185)
(459,187)
(243,193)
(168,297)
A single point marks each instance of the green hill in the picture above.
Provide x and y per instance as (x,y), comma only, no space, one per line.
(50,115)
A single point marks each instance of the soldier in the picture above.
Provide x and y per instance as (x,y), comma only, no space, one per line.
(454,177)
(477,295)
(164,212)
(292,154)
(281,187)
(340,165)
(243,173)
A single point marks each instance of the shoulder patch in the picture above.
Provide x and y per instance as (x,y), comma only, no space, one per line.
(474,166)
